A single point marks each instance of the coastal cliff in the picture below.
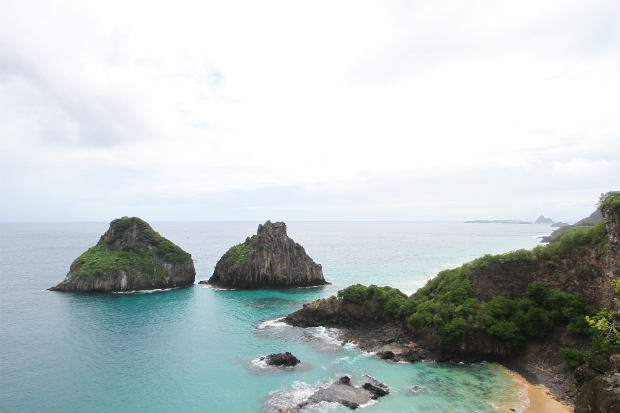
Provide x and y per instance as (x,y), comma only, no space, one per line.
(269,259)
(521,308)
(130,256)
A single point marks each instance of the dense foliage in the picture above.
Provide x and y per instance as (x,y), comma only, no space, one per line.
(606,324)
(446,307)
(130,245)
(609,199)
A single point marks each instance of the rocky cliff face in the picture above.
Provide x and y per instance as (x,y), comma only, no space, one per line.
(586,269)
(598,382)
(129,256)
(268,259)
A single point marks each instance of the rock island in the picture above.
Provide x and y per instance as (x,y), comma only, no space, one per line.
(130,256)
(269,259)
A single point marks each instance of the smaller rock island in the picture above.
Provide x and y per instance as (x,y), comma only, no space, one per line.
(130,256)
(269,259)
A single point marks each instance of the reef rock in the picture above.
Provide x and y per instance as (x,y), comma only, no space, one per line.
(130,256)
(269,259)
(281,359)
(344,392)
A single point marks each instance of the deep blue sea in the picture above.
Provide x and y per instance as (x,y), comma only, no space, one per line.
(196,349)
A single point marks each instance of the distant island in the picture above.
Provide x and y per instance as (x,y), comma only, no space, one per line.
(540,220)
(543,220)
(497,221)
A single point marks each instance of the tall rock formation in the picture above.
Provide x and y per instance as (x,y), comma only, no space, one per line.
(268,259)
(130,256)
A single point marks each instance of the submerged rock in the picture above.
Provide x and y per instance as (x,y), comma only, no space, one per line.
(281,359)
(269,259)
(130,256)
(417,389)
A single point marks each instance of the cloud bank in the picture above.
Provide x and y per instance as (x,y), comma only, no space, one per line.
(319,110)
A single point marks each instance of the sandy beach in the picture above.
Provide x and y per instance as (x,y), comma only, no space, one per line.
(540,398)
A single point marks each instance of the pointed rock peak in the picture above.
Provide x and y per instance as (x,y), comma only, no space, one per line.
(276,229)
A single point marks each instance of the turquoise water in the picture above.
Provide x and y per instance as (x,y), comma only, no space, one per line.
(196,349)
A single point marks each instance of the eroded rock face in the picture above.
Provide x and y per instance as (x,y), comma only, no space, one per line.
(598,383)
(269,259)
(130,256)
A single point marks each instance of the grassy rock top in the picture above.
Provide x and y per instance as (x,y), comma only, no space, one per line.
(131,245)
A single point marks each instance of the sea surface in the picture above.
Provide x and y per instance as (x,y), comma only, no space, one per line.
(197,349)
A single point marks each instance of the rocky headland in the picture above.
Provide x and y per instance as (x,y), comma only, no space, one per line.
(269,259)
(584,223)
(130,256)
(522,309)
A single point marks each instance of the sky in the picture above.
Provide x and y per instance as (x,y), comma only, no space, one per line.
(308,110)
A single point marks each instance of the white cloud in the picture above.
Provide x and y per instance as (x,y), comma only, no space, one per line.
(181,100)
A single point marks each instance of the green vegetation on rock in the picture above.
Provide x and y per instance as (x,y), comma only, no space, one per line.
(447,308)
(97,261)
(609,199)
(131,245)
(239,254)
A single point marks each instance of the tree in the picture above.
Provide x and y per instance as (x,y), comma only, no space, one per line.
(606,323)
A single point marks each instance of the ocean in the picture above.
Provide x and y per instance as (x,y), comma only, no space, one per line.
(197,349)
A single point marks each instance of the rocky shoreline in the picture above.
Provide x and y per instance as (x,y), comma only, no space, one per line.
(392,343)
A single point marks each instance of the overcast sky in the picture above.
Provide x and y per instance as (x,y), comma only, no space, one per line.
(382,110)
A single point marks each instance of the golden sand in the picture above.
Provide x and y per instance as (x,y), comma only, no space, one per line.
(540,398)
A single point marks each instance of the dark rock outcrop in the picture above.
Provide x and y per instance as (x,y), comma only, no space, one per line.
(375,387)
(130,256)
(344,392)
(281,359)
(385,355)
(598,382)
(269,259)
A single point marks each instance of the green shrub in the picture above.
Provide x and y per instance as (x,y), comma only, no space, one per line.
(573,357)
(356,293)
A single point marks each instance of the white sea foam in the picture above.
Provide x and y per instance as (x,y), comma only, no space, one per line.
(286,399)
(212,287)
(368,403)
(274,323)
(156,290)
(327,335)
(260,362)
